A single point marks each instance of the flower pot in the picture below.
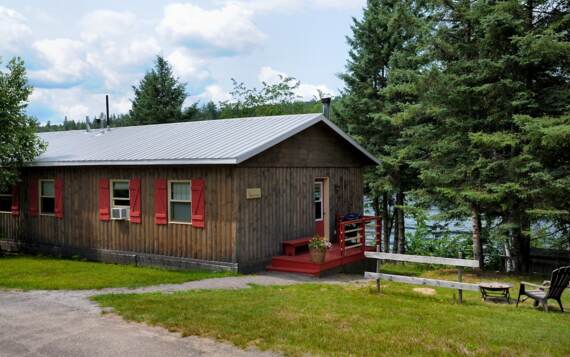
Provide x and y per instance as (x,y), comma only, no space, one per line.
(317,255)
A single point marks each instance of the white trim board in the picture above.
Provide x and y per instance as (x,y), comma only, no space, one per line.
(469,263)
(422,281)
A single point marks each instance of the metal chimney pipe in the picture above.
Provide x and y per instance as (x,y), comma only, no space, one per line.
(107,105)
(326,107)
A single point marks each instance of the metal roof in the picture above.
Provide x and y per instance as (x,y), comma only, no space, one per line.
(224,141)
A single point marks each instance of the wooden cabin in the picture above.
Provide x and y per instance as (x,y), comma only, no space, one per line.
(219,194)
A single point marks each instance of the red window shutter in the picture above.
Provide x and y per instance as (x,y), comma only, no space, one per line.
(15,200)
(160,202)
(135,194)
(58,209)
(33,198)
(198,203)
(104,200)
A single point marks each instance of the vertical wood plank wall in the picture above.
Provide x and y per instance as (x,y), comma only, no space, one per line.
(81,227)
(238,230)
(285,210)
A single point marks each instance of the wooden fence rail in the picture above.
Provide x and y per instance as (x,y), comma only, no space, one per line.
(459,263)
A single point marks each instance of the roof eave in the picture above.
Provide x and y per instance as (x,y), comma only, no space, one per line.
(230,161)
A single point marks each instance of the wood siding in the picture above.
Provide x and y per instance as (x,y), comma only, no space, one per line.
(317,146)
(285,210)
(239,230)
(81,227)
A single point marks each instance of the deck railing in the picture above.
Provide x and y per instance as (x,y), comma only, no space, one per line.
(352,234)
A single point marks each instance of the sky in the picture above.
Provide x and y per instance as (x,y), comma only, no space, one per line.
(78,51)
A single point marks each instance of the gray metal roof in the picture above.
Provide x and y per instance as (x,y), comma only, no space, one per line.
(225,141)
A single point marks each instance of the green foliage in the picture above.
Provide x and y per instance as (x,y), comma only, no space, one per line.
(466,104)
(380,84)
(426,240)
(35,272)
(18,140)
(159,96)
(271,99)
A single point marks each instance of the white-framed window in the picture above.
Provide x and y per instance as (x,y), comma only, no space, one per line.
(6,201)
(318,198)
(120,194)
(180,201)
(47,197)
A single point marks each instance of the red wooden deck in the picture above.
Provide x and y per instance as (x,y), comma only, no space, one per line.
(302,264)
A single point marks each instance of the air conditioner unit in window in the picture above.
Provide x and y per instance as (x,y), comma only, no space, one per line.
(120,213)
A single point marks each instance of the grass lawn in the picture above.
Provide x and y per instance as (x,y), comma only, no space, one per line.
(32,272)
(353,320)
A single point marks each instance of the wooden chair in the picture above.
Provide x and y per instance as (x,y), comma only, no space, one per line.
(552,289)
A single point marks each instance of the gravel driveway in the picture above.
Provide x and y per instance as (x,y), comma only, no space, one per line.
(67,323)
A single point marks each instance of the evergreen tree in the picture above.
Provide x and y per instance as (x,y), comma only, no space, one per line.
(18,140)
(492,63)
(159,96)
(384,47)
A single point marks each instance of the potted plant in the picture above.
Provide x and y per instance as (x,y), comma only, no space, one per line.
(318,246)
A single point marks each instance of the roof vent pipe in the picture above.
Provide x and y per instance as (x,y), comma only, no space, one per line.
(107,106)
(326,107)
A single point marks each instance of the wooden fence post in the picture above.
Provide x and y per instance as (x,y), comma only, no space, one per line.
(460,279)
(378,269)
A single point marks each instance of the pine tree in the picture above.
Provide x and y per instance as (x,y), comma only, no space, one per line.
(383,46)
(159,96)
(493,62)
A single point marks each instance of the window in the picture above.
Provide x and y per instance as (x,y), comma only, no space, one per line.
(6,201)
(47,197)
(318,201)
(179,202)
(120,196)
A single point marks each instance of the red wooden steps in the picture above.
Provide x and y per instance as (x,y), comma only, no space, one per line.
(302,264)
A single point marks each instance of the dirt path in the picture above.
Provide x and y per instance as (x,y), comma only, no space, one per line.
(67,323)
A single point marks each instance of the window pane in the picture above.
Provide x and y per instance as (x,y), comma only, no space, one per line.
(47,188)
(48,205)
(121,189)
(180,212)
(125,203)
(180,191)
(317,192)
(318,210)
(5,203)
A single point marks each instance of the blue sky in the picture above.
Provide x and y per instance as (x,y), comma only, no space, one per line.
(78,51)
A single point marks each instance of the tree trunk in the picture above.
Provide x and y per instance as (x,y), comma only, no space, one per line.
(477,241)
(386,223)
(400,200)
(520,224)
(525,242)
(378,211)
(396,221)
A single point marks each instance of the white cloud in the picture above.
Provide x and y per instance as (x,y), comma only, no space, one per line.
(311,91)
(76,103)
(64,59)
(213,93)
(270,75)
(105,24)
(229,29)
(340,4)
(187,66)
(13,29)
(305,91)
(297,5)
